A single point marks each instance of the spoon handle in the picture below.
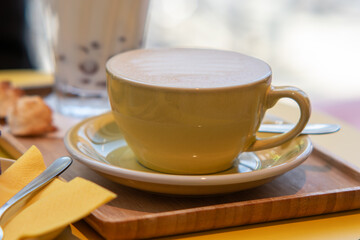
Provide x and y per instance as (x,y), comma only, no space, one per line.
(19,199)
(309,129)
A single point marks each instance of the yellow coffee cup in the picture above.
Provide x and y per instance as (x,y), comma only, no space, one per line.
(193,111)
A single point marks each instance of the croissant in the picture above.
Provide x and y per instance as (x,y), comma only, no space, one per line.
(30,116)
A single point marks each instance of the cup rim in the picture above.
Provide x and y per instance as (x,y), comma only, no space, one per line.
(266,78)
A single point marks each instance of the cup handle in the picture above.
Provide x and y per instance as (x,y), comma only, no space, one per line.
(273,95)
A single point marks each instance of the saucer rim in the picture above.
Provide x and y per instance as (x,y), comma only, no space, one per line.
(173,179)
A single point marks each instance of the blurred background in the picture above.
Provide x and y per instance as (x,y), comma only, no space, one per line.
(312,44)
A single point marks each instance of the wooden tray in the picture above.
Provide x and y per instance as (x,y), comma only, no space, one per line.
(322,184)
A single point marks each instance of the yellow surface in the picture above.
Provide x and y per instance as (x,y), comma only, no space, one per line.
(27,78)
(52,209)
(338,226)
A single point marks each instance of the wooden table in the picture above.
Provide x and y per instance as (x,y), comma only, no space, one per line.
(332,226)
(345,225)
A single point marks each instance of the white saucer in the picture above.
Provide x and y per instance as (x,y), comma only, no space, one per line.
(98,143)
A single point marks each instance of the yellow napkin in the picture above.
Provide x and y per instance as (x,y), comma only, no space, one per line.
(55,207)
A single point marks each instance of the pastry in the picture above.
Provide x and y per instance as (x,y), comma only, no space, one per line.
(30,116)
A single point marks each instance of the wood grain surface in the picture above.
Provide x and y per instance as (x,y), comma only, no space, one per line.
(322,184)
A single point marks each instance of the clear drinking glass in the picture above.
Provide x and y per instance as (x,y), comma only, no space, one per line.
(86,33)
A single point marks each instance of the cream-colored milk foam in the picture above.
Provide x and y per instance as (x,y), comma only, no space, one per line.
(188,68)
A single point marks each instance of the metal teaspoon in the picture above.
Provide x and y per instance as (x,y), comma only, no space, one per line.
(309,129)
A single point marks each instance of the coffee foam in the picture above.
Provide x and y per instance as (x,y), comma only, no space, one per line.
(188,68)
